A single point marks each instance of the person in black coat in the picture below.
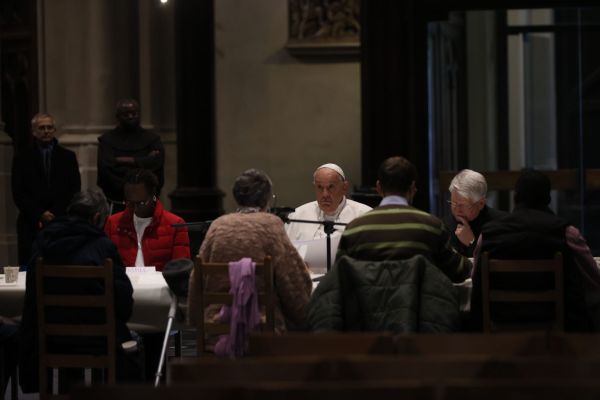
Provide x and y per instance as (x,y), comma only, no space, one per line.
(128,146)
(45,176)
(469,211)
(533,231)
(76,239)
(9,340)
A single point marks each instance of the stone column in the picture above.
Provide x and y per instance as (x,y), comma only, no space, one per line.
(8,211)
(196,197)
(89,59)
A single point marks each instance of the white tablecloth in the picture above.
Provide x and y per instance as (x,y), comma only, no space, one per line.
(151,298)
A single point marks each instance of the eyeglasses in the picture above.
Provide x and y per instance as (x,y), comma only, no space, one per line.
(144,203)
(460,206)
(45,127)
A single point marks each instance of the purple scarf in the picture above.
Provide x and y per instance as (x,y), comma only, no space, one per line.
(244,314)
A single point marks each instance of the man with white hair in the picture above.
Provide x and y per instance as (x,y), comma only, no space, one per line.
(330,186)
(469,211)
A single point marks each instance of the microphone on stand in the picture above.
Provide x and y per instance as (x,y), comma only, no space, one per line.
(194,226)
(328,227)
(282,213)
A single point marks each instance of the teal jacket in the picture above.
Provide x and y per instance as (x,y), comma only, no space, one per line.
(401,296)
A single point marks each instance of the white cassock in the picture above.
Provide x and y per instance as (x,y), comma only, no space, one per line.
(346,212)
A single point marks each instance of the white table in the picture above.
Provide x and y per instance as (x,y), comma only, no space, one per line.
(151,298)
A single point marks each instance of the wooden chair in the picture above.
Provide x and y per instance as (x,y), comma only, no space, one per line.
(544,388)
(375,368)
(393,390)
(320,344)
(207,330)
(489,295)
(67,303)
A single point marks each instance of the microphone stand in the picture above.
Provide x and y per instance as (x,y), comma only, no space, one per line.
(194,226)
(328,227)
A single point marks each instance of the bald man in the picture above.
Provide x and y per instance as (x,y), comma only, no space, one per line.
(330,186)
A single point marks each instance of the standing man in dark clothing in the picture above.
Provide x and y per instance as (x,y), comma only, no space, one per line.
(76,239)
(470,212)
(45,176)
(127,146)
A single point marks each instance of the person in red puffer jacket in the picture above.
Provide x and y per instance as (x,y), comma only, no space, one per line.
(143,232)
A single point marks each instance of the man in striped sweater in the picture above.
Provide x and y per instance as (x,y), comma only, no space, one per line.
(397,231)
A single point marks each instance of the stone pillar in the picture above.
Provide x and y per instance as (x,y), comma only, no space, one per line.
(196,197)
(18,88)
(89,59)
(8,211)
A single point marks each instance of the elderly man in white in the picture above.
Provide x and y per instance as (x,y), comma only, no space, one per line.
(331,186)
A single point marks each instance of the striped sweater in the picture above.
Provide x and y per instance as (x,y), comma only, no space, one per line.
(395,232)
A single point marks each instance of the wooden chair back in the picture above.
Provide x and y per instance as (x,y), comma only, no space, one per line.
(416,390)
(374,368)
(322,344)
(489,295)
(48,330)
(562,179)
(535,344)
(208,330)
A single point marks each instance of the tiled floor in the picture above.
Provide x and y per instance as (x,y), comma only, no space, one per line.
(188,349)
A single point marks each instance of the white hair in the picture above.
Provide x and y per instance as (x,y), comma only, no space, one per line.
(36,118)
(469,184)
(333,167)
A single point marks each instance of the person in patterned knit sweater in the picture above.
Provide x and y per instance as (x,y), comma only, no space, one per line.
(252,232)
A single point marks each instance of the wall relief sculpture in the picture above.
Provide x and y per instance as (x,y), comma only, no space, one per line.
(324,27)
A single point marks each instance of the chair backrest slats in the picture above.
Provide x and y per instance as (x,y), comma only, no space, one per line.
(206,330)
(71,329)
(490,295)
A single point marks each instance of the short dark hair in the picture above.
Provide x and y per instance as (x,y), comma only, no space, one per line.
(253,188)
(87,203)
(144,176)
(121,103)
(532,189)
(396,174)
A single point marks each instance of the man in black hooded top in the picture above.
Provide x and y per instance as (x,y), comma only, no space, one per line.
(128,146)
(533,231)
(75,239)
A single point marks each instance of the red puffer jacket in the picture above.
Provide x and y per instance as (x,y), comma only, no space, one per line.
(161,242)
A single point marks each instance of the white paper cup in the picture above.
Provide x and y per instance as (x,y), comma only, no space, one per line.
(11,274)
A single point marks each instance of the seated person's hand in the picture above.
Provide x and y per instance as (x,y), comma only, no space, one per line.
(463,232)
(47,216)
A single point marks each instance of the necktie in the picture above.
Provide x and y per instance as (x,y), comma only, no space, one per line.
(47,153)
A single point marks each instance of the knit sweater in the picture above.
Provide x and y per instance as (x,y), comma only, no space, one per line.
(256,235)
(395,232)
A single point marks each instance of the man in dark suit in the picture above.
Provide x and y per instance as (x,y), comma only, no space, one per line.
(45,176)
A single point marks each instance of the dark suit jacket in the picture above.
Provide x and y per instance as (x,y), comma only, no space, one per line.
(486,215)
(33,192)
